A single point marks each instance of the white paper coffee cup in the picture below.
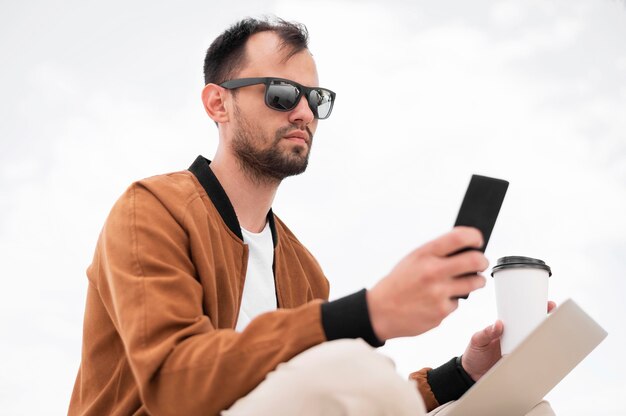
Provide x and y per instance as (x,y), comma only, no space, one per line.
(521,296)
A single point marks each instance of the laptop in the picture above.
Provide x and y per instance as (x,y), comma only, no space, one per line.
(522,378)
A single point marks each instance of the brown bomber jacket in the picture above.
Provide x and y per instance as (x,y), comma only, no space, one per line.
(164,291)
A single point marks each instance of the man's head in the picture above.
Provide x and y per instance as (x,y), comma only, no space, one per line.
(267,125)
(226,55)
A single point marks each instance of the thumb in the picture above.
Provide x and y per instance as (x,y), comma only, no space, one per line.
(486,336)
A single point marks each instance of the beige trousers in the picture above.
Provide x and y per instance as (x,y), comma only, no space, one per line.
(339,378)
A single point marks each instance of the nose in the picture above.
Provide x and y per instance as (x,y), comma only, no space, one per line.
(302,113)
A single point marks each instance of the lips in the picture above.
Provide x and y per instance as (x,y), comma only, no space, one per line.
(298,136)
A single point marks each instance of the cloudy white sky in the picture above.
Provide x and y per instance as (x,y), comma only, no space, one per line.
(98,94)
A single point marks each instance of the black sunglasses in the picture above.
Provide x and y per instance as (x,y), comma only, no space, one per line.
(284,95)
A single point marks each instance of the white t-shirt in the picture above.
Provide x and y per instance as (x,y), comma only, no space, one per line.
(259,290)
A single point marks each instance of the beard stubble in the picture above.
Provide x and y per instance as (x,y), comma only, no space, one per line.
(263,159)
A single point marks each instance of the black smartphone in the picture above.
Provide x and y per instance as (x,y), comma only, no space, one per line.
(481,205)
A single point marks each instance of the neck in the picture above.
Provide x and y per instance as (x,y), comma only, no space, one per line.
(251,198)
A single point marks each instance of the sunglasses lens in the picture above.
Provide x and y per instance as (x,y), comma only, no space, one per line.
(282,95)
(321,102)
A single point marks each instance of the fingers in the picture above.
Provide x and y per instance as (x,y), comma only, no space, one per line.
(472,261)
(463,285)
(455,240)
(445,268)
(551,306)
(486,336)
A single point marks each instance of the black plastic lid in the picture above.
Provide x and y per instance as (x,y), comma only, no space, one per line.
(511,262)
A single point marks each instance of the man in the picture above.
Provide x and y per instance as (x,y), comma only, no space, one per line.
(202,301)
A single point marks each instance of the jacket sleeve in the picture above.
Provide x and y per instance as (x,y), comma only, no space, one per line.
(421,378)
(181,362)
(443,384)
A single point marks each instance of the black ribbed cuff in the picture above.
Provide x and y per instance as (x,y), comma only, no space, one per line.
(450,381)
(349,317)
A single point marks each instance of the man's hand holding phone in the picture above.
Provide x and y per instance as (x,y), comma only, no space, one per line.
(422,289)
(425,286)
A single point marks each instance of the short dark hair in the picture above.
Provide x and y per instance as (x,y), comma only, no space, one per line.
(226,55)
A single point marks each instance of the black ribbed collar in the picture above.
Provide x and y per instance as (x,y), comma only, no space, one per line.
(200,168)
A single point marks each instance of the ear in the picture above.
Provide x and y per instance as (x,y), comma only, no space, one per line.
(213,98)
